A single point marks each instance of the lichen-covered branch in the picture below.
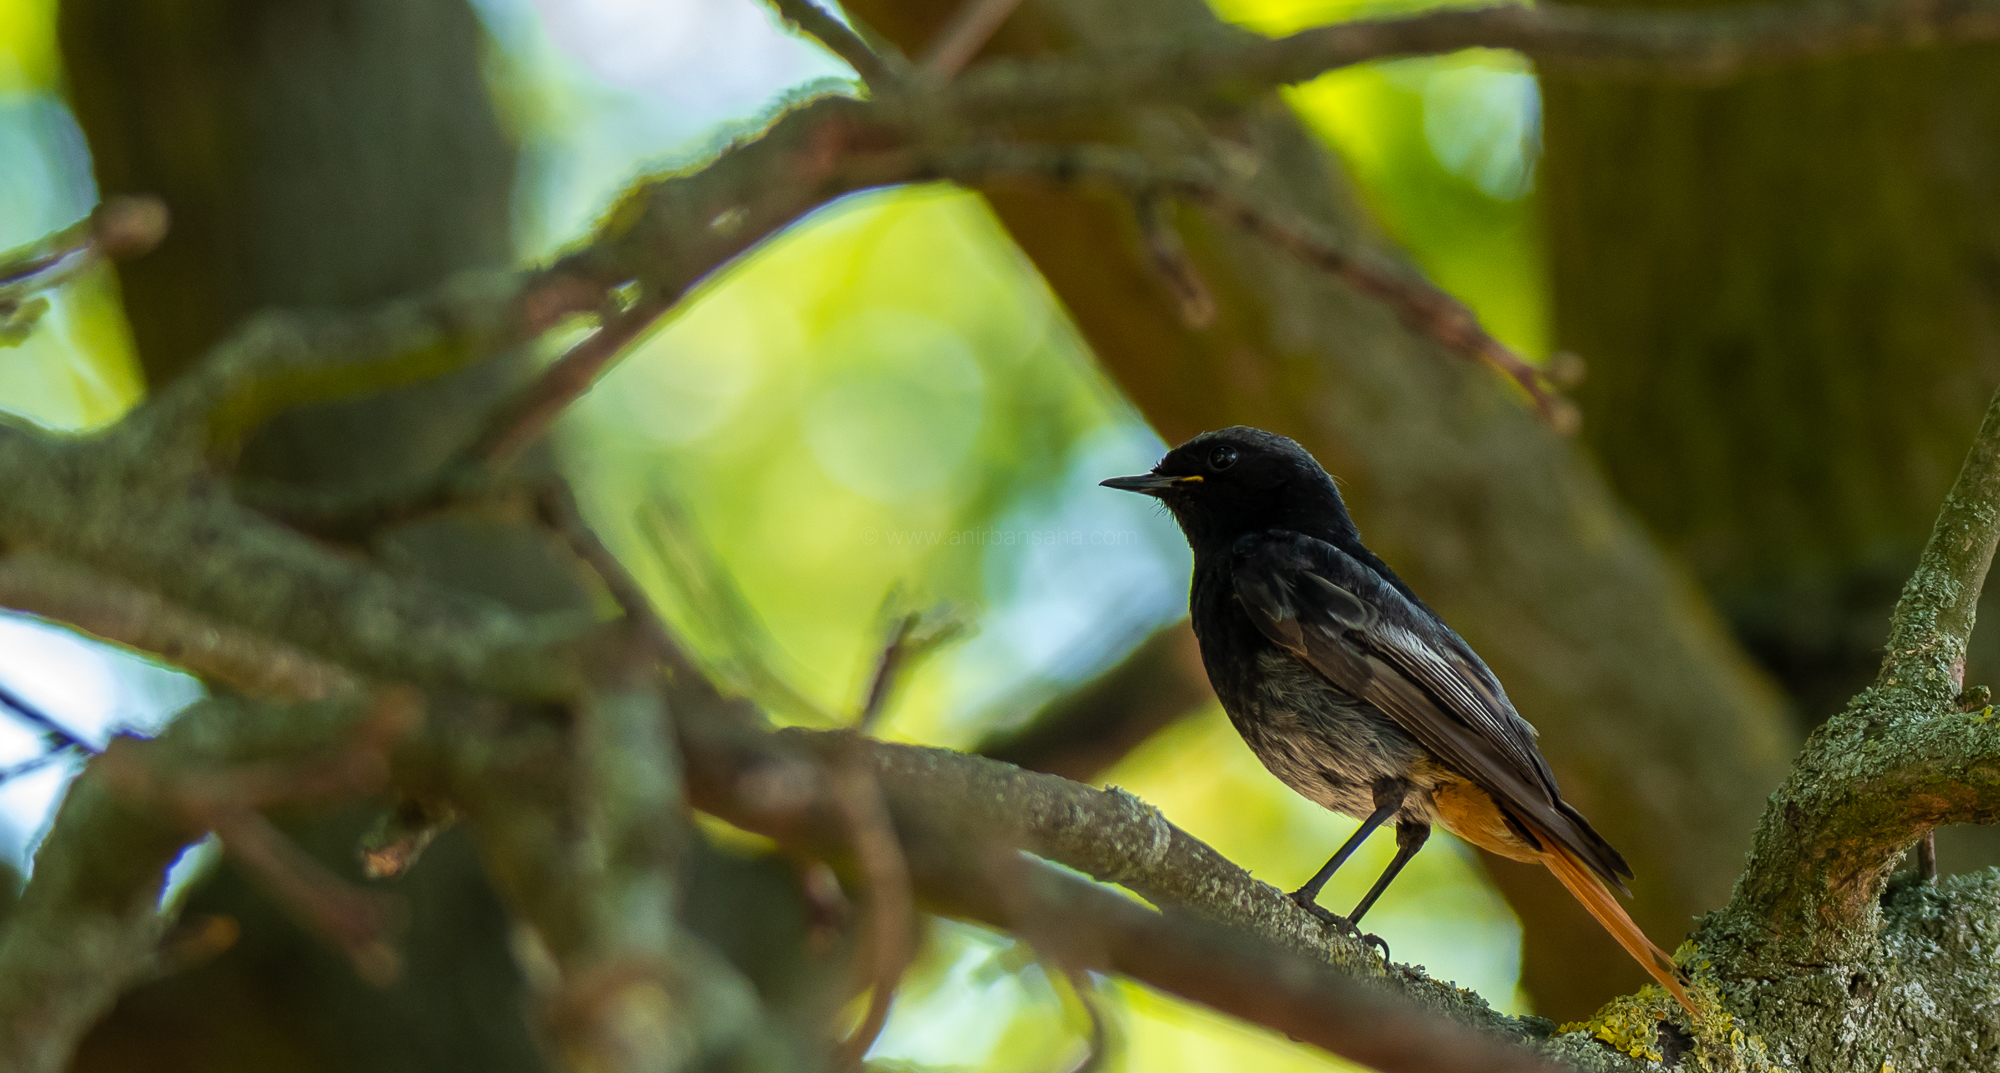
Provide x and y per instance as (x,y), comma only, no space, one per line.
(1696,45)
(955,812)
(1901,759)
(1816,947)
(279,361)
(249,663)
(1933,620)
(115,506)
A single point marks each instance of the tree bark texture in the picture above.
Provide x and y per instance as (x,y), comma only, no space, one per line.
(1784,290)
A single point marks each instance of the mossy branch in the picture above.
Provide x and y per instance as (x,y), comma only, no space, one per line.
(112,505)
(1933,620)
(1900,761)
(247,663)
(1708,45)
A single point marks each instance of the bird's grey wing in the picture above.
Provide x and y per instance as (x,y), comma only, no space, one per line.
(1347,622)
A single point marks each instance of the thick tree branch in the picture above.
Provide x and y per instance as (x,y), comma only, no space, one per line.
(1705,45)
(954,811)
(279,361)
(1088,926)
(247,662)
(115,504)
(1901,760)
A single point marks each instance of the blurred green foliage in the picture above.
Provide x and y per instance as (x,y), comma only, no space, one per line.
(886,403)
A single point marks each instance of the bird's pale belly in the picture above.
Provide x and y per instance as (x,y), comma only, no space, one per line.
(1329,747)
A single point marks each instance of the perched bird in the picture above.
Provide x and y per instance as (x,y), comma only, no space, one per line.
(1354,693)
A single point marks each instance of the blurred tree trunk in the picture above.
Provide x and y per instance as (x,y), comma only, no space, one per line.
(1657,727)
(1786,294)
(316,154)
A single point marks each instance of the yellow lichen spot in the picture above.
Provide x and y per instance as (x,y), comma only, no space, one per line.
(1630,1023)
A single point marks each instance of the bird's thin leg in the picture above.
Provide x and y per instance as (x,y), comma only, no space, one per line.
(1409,839)
(1388,798)
(1309,893)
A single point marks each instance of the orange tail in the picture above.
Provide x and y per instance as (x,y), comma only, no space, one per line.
(1603,905)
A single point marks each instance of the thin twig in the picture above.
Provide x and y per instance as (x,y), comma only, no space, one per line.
(1099,1045)
(1086,730)
(227,800)
(814,21)
(970,28)
(34,763)
(356,921)
(1170,259)
(560,509)
(121,227)
(34,716)
(888,947)
(907,637)
(529,415)
(887,667)
(1423,307)
(706,589)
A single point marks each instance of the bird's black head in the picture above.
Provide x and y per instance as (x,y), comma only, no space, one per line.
(1221,485)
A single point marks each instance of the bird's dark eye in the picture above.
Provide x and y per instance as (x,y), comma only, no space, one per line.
(1222,457)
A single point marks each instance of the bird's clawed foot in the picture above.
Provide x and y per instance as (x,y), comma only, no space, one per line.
(1372,939)
(1306,901)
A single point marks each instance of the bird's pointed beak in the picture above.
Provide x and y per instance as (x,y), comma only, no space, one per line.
(1148,484)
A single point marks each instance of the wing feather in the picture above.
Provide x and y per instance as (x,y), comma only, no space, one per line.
(1342,618)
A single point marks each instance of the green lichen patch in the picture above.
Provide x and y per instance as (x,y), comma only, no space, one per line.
(1630,1024)
(1648,1025)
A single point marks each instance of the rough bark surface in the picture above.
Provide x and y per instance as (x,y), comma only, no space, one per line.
(1780,383)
